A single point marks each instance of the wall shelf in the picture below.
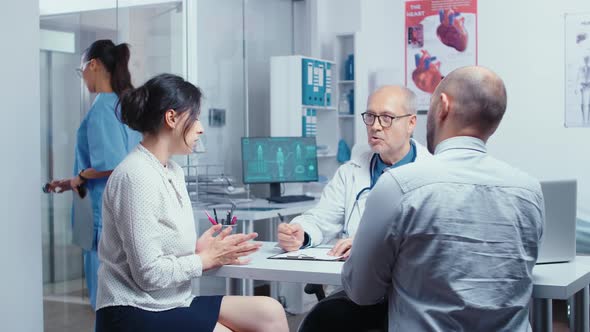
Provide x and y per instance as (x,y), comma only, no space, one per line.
(320,108)
(344,46)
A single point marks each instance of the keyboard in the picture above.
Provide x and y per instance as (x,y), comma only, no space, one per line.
(290,199)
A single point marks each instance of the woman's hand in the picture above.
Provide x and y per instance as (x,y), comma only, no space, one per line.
(59,186)
(225,249)
(206,238)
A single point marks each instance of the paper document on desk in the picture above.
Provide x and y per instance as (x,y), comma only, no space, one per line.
(312,254)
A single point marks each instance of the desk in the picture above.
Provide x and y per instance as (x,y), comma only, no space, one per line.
(562,281)
(262,268)
(551,281)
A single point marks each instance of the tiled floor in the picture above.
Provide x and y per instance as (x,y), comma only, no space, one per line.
(66,317)
(73,317)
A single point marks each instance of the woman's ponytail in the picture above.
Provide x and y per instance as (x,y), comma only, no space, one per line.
(143,109)
(115,59)
(120,76)
(133,108)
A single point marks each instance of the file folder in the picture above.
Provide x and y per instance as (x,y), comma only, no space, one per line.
(309,122)
(328,84)
(307,78)
(321,88)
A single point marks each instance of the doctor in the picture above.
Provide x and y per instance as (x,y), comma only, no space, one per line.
(390,119)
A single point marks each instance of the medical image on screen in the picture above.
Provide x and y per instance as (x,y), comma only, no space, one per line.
(279,159)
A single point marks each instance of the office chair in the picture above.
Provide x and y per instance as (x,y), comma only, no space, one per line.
(316,289)
(334,314)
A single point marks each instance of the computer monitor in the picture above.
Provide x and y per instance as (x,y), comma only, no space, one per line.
(275,160)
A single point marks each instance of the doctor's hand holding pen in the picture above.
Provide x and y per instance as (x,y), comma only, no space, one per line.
(290,236)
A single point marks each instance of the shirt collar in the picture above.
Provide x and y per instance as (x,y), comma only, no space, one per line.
(461,142)
(380,166)
(153,160)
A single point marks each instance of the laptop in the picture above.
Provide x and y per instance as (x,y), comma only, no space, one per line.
(558,243)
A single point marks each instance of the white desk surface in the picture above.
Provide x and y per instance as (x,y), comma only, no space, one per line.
(262,268)
(243,213)
(561,280)
(551,281)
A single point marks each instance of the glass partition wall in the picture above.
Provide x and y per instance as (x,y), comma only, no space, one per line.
(156,32)
(222,46)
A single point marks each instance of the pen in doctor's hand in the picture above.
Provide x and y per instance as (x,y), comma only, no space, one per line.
(280,217)
(215,214)
(211,220)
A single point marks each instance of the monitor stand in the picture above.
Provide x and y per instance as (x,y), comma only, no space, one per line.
(276,197)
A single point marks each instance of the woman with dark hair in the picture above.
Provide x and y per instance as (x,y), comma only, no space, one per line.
(102,141)
(149,249)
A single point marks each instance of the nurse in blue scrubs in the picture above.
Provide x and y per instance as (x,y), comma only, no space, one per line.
(102,140)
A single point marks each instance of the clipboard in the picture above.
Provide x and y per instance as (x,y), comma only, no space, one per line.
(309,254)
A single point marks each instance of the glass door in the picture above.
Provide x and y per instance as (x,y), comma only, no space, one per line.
(156,33)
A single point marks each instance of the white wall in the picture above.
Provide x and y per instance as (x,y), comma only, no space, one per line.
(268,33)
(220,66)
(527,51)
(332,17)
(220,60)
(20,239)
(525,46)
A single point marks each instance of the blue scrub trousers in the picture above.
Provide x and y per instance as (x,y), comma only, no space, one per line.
(91,264)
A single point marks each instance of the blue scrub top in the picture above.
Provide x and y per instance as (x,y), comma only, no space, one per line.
(102,142)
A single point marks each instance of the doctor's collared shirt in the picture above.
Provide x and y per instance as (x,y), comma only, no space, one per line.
(452,242)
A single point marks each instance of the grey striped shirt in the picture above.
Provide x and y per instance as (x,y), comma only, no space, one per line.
(452,242)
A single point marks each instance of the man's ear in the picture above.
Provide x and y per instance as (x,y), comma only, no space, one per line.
(412,124)
(170,118)
(445,106)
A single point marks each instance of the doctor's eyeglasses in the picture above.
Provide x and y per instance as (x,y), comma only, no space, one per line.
(80,70)
(384,120)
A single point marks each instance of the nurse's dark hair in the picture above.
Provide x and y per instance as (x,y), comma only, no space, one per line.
(115,59)
(143,109)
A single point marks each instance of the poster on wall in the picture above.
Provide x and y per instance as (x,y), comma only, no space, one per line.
(441,35)
(577,70)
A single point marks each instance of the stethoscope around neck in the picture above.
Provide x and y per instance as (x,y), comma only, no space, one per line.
(372,165)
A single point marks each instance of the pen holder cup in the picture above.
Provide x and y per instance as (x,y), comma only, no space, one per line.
(233,230)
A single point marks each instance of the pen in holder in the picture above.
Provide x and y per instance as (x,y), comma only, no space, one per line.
(225,226)
(230,221)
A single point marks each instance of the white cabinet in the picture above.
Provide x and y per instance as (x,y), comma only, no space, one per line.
(297,110)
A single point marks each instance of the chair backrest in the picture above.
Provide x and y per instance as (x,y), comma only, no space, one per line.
(316,289)
(338,313)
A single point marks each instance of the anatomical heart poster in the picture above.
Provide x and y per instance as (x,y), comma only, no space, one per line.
(441,35)
(577,70)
